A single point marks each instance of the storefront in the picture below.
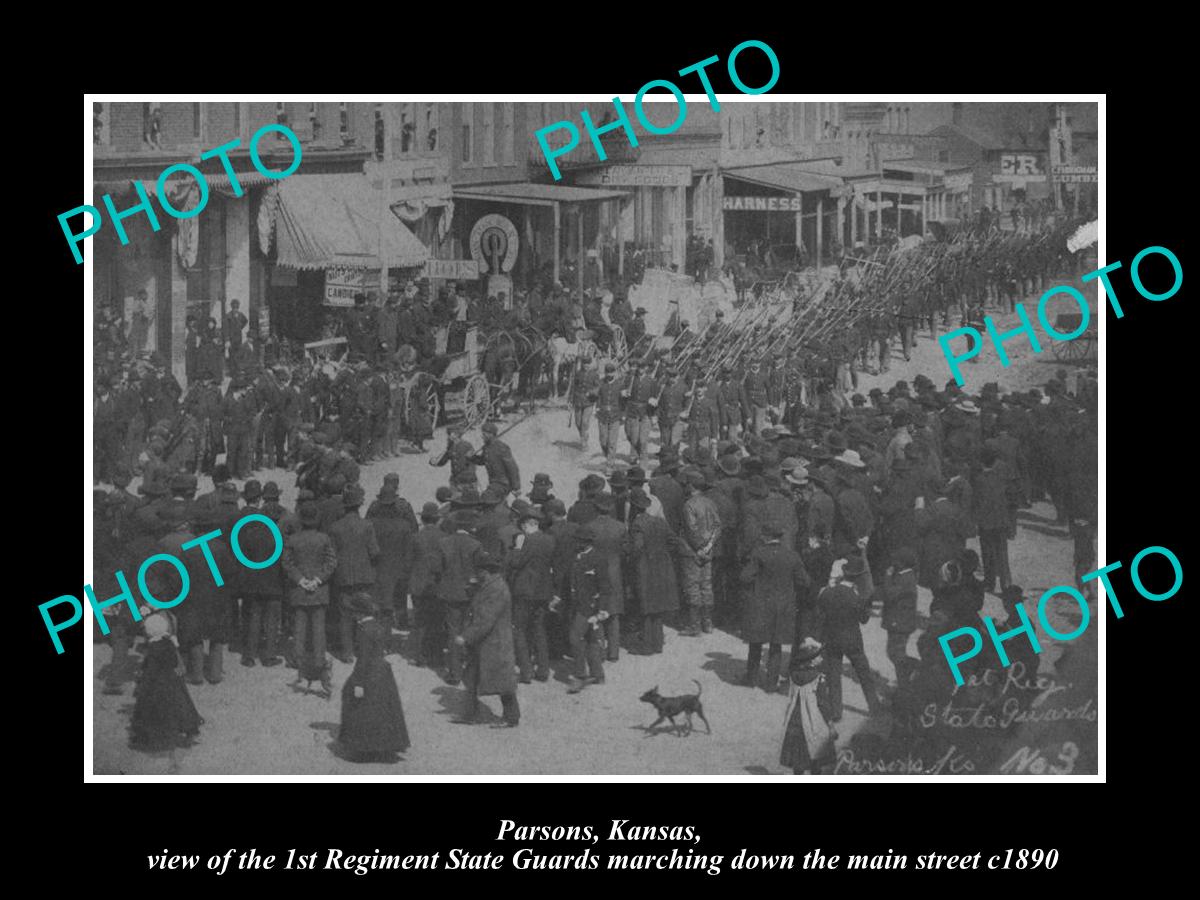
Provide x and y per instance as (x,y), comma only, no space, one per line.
(328,238)
(779,213)
(524,231)
(655,215)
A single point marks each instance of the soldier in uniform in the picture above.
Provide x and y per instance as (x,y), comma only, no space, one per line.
(584,391)
(608,412)
(638,395)
(755,405)
(670,405)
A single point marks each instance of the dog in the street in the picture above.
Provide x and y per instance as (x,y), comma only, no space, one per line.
(670,707)
(309,672)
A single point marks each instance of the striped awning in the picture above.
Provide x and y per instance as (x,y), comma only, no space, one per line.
(321,221)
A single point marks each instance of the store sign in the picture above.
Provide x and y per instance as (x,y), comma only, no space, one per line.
(1021,165)
(452,269)
(959,182)
(763,204)
(341,284)
(638,176)
(1075,174)
(494,244)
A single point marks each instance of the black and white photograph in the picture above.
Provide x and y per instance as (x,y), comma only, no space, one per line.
(501,437)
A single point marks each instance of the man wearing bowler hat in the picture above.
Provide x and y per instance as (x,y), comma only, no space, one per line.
(488,641)
(529,565)
(357,552)
(841,612)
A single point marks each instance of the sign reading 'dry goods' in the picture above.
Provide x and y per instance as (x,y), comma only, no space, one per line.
(639,176)
(763,204)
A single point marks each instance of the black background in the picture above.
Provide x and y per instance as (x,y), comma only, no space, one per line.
(109,830)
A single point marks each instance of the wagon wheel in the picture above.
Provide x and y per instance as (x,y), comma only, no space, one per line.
(477,401)
(425,386)
(616,346)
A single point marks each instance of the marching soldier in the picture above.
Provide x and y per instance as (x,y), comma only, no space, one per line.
(585,389)
(639,394)
(608,411)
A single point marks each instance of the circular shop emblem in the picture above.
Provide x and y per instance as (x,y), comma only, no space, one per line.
(494,244)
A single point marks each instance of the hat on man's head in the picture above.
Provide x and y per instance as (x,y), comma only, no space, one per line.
(492,495)
(430,512)
(487,562)
(619,478)
(490,428)
(252,490)
(855,566)
(730,464)
(352,495)
(183,483)
(391,478)
(270,491)
(638,499)
(603,503)
(636,476)
(541,479)
(554,507)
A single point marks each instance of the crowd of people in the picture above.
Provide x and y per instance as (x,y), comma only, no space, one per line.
(781,504)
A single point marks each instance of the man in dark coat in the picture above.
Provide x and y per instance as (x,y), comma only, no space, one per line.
(395,528)
(609,542)
(497,459)
(640,391)
(261,589)
(651,551)
(430,617)
(530,574)
(900,610)
(778,581)
(996,503)
(841,611)
(701,529)
(587,612)
(203,615)
(453,566)
(235,324)
(309,560)
(489,638)
(669,491)
(357,552)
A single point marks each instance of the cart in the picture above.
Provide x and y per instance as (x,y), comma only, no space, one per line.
(453,385)
(1077,349)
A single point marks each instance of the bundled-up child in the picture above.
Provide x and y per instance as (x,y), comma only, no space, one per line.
(808,738)
(164,716)
(373,726)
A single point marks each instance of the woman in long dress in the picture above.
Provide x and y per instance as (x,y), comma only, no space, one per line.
(373,726)
(164,716)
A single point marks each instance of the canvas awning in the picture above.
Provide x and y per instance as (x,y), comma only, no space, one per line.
(530,194)
(321,221)
(785,177)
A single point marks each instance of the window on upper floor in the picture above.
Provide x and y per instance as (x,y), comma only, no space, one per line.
(314,121)
(431,127)
(197,119)
(407,126)
(345,125)
(506,134)
(380,133)
(237,119)
(468,116)
(100,130)
(943,156)
(487,133)
(152,125)
(281,115)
